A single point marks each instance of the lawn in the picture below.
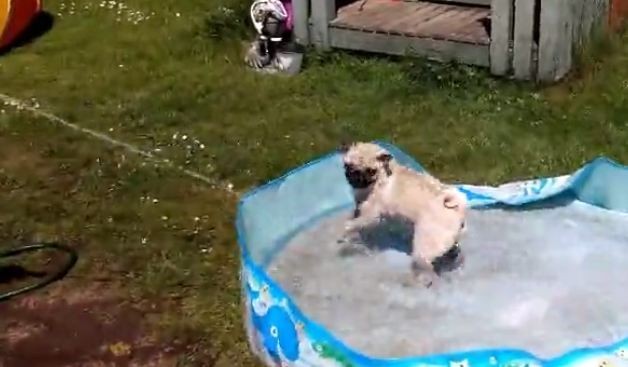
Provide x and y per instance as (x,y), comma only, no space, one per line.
(167,76)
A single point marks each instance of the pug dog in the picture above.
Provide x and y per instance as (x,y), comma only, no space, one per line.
(384,188)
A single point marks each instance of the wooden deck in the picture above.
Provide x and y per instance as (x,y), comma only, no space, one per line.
(457,23)
(527,39)
(434,30)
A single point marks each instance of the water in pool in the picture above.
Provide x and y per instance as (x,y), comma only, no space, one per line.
(546,280)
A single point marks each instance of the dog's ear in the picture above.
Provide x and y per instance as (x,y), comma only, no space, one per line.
(384,157)
(454,199)
(344,147)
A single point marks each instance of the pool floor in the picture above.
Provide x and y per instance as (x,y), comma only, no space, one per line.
(546,280)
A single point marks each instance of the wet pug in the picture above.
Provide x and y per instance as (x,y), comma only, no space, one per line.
(384,188)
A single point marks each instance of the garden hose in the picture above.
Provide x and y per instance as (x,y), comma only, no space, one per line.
(72,257)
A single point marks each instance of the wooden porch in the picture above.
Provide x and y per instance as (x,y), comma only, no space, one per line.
(440,31)
(528,39)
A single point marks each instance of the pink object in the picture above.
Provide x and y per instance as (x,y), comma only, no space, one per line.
(290,21)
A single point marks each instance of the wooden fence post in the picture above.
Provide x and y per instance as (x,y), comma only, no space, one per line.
(590,19)
(555,44)
(501,36)
(323,12)
(301,21)
(566,26)
(523,48)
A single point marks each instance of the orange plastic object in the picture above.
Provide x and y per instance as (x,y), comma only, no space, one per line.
(15,16)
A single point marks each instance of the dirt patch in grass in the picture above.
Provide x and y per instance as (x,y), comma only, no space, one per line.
(84,327)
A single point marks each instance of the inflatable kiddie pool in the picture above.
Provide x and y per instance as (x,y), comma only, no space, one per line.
(543,283)
(15,16)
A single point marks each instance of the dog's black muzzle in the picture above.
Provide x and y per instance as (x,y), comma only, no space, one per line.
(360,179)
(449,261)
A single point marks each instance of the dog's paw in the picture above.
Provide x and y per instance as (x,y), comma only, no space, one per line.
(351,228)
(409,281)
(423,280)
(345,241)
(353,249)
(427,280)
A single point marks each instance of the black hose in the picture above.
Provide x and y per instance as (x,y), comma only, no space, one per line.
(72,257)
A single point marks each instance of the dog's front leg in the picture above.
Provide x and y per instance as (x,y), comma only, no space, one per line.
(357,209)
(365,214)
(423,271)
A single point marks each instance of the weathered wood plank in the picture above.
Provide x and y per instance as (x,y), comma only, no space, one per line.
(556,40)
(501,35)
(409,18)
(469,2)
(323,12)
(417,19)
(566,26)
(588,18)
(425,14)
(374,17)
(523,41)
(441,16)
(484,21)
(440,50)
(301,19)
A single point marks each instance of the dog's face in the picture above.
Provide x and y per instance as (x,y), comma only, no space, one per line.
(442,231)
(364,164)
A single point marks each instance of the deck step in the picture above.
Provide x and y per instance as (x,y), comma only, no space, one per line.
(421,19)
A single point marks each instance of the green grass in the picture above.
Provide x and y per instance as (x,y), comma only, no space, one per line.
(179,73)
(167,74)
(156,235)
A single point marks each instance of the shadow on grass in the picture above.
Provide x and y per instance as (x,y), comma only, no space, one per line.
(40,25)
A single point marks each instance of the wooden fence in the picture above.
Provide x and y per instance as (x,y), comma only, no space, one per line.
(537,39)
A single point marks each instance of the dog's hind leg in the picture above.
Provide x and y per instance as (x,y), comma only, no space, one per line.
(422,263)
